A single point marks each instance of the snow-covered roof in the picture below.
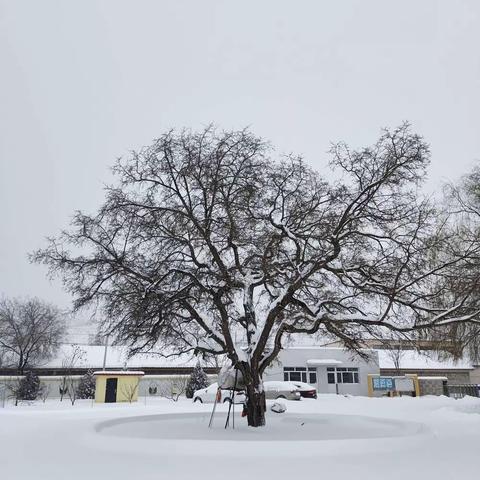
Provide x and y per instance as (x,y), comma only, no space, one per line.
(411,359)
(323,348)
(117,357)
(323,361)
(120,373)
(432,378)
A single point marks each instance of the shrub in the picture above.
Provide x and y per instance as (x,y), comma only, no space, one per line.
(28,387)
(86,387)
(198,379)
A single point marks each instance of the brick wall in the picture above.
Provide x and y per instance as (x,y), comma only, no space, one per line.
(431,386)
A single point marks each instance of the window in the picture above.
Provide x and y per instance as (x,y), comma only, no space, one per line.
(295,376)
(300,374)
(342,375)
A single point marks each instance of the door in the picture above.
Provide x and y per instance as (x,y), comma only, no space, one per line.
(330,375)
(111,390)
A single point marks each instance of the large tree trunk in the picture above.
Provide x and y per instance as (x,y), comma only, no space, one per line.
(255,399)
(255,407)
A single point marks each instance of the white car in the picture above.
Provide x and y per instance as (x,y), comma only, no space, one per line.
(286,390)
(207,395)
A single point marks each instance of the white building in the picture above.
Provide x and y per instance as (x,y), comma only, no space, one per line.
(330,370)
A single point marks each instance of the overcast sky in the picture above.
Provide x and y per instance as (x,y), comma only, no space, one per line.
(83,82)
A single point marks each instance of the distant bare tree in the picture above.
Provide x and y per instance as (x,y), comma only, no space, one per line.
(396,354)
(209,245)
(72,390)
(14,389)
(174,387)
(30,332)
(394,346)
(130,391)
(44,391)
(72,358)
(463,200)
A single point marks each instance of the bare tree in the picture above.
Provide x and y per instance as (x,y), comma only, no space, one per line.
(72,390)
(74,356)
(174,387)
(396,354)
(30,332)
(14,389)
(44,391)
(130,390)
(463,199)
(394,346)
(208,245)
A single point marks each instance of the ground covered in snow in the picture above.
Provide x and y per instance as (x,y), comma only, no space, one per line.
(332,437)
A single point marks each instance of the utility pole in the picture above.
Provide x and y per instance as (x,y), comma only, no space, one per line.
(105,352)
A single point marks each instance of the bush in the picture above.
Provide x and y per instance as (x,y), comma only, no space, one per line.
(28,387)
(173,388)
(198,379)
(86,387)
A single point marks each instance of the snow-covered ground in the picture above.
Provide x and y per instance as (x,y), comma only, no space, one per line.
(333,437)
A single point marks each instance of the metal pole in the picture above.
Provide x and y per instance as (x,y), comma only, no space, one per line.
(105,353)
(213,411)
(232,400)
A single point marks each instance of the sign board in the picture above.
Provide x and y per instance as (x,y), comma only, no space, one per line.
(383,383)
(404,384)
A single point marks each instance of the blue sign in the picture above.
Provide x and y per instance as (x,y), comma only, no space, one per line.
(383,383)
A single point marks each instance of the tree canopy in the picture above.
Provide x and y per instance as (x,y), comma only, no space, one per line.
(30,332)
(208,243)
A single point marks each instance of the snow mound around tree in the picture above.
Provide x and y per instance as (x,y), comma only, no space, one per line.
(288,427)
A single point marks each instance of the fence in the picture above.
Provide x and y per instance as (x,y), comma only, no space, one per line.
(460,391)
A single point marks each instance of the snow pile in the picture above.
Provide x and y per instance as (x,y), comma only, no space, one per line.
(278,407)
(334,436)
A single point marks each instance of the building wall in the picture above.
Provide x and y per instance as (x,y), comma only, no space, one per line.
(100,387)
(298,357)
(127,387)
(52,383)
(475,375)
(454,377)
(153,385)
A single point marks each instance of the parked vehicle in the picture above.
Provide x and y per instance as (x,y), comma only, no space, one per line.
(286,390)
(207,395)
(306,390)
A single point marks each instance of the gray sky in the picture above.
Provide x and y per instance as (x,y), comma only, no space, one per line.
(84,82)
